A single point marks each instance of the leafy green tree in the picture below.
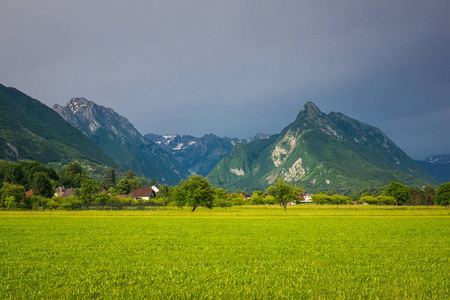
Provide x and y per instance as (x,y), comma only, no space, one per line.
(163,196)
(388,200)
(321,198)
(130,174)
(73,175)
(37,202)
(257,198)
(443,194)
(42,185)
(110,177)
(284,192)
(177,196)
(126,186)
(269,200)
(17,192)
(197,191)
(11,203)
(88,190)
(397,190)
(237,199)
(103,198)
(338,199)
(429,194)
(368,199)
(222,199)
(417,196)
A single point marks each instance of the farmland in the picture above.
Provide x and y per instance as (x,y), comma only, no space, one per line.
(309,252)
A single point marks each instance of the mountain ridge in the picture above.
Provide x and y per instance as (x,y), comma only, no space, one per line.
(120,140)
(30,130)
(320,152)
(199,154)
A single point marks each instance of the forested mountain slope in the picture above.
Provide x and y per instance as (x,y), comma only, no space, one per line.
(29,130)
(319,152)
(118,138)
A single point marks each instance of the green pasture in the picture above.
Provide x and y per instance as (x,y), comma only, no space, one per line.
(309,252)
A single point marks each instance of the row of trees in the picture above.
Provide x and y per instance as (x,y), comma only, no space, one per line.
(193,192)
(18,178)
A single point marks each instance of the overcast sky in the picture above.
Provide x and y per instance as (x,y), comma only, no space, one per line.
(236,68)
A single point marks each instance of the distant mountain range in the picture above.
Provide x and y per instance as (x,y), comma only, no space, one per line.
(118,139)
(319,152)
(29,130)
(199,155)
(438,166)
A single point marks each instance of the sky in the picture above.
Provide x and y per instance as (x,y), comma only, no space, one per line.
(237,68)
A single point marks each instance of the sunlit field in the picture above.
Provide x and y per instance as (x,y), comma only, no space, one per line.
(244,252)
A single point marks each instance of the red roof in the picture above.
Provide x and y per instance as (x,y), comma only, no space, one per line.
(29,193)
(142,192)
(68,192)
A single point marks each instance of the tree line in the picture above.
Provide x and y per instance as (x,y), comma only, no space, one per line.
(18,178)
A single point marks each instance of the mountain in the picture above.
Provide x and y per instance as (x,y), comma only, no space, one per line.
(438,166)
(29,130)
(118,138)
(319,152)
(199,155)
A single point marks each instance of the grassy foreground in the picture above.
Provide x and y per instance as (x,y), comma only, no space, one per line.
(310,252)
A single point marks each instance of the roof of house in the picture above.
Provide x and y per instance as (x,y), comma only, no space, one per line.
(142,192)
(68,192)
(29,193)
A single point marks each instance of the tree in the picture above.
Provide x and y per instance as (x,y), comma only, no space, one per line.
(14,193)
(443,194)
(429,194)
(126,186)
(284,192)
(163,195)
(222,199)
(130,174)
(196,191)
(368,199)
(110,177)
(88,190)
(338,199)
(257,198)
(397,190)
(73,175)
(321,198)
(42,185)
(389,200)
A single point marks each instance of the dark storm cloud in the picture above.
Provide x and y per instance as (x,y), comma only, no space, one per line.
(236,68)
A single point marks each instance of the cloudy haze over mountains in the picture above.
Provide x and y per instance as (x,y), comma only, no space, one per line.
(236,68)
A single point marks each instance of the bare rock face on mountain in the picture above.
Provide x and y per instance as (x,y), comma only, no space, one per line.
(199,155)
(118,139)
(319,152)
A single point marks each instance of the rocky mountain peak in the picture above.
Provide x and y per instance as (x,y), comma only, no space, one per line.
(78,104)
(310,112)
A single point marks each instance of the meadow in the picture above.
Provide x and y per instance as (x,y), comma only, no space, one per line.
(309,252)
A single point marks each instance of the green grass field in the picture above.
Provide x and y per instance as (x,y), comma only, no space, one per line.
(310,252)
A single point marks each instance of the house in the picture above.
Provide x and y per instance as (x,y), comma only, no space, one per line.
(156,187)
(68,192)
(143,193)
(306,198)
(29,193)
(59,191)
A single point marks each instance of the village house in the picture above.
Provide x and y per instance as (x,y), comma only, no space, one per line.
(143,193)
